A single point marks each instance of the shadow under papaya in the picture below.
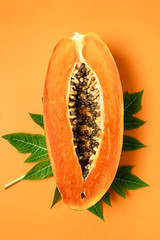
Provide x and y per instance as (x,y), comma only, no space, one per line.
(128,78)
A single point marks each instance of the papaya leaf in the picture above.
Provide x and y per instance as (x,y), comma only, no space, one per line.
(130,143)
(40,171)
(29,143)
(106,198)
(118,188)
(125,180)
(132,102)
(131,122)
(57,197)
(97,210)
(37,118)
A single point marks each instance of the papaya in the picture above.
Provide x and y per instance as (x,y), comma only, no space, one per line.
(83,118)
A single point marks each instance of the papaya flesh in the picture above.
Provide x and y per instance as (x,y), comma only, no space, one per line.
(83,118)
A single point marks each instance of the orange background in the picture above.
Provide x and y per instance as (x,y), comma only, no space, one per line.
(28,32)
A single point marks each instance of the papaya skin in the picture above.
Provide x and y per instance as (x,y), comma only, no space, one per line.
(59,136)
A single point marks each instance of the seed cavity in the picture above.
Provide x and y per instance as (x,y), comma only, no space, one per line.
(85,113)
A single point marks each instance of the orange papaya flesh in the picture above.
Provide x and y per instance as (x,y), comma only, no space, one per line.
(83,118)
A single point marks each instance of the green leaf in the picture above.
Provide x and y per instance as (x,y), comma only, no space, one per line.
(57,197)
(132,102)
(124,179)
(40,171)
(29,143)
(37,118)
(130,143)
(106,198)
(97,210)
(118,188)
(131,122)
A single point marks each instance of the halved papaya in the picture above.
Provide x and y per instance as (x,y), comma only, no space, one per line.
(83,118)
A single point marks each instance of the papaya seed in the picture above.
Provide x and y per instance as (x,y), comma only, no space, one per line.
(83,109)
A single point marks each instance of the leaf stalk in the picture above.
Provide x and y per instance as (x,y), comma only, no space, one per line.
(13,182)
